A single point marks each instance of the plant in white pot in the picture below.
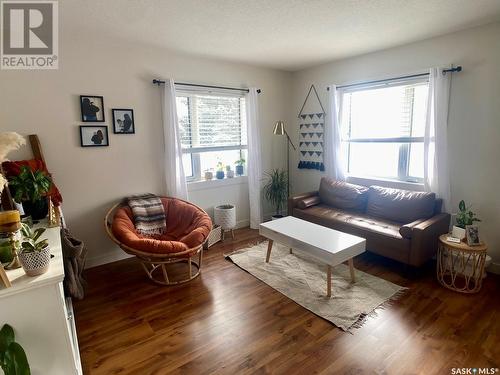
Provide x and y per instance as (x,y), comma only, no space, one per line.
(276,190)
(34,254)
(464,217)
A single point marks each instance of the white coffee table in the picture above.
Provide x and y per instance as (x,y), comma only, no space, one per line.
(325,245)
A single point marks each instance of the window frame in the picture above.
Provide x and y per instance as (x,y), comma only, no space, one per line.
(406,142)
(197,151)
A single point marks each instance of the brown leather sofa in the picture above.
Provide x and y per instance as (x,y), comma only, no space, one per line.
(398,224)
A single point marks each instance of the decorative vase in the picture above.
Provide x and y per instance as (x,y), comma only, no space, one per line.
(209,175)
(219,175)
(276,217)
(239,170)
(36,262)
(37,210)
(230,173)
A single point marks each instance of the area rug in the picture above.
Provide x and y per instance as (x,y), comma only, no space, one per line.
(303,280)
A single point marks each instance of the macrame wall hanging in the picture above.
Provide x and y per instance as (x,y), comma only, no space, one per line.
(311,128)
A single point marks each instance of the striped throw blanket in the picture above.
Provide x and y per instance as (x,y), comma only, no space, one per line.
(149,215)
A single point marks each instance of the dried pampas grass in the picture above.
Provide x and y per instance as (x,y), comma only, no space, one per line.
(9,141)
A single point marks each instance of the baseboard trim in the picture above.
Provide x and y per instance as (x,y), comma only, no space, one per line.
(118,255)
(115,256)
(494,268)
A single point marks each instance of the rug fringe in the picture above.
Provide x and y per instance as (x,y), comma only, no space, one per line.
(383,306)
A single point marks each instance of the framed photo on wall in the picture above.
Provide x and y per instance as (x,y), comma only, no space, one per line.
(94,136)
(92,108)
(123,121)
(472,234)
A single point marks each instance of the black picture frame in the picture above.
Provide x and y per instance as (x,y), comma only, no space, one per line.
(85,108)
(117,120)
(87,140)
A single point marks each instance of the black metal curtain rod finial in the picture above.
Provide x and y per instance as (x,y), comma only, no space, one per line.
(159,82)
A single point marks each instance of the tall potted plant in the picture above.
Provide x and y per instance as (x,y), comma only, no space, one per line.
(275,190)
(13,360)
(30,189)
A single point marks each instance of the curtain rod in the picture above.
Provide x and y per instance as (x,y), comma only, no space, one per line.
(451,70)
(159,82)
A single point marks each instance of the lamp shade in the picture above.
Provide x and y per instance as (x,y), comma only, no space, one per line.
(279,128)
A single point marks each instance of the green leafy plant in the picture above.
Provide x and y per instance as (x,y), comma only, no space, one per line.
(240,161)
(30,241)
(220,166)
(275,190)
(30,186)
(13,360)
(465,216)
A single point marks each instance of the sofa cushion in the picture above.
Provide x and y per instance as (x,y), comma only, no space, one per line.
(343,195)
(382,236)
(308,202)
(401,206)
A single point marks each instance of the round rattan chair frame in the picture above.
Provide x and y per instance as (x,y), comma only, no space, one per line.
(153,263)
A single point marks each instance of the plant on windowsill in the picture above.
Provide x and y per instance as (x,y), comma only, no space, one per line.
(209,174)
(464,217)
(239,166)
(30,189)
(229,172)
(13,360)
(220,171)
(275,190)
(34,254)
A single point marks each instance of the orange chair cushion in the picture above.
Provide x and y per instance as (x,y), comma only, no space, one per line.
(187,228)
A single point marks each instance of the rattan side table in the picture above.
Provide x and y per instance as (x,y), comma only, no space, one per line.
(460,267)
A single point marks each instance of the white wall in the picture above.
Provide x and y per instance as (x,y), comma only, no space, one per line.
(92,179)
(474,119)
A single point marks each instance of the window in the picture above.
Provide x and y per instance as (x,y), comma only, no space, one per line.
(383,130)
(213,131)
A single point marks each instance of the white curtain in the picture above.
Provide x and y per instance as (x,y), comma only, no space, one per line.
(333,157)
(254,158)
(436,172)
(175,180)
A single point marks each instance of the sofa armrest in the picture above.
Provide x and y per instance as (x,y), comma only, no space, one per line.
(424,238)
(293,201)
(406,230)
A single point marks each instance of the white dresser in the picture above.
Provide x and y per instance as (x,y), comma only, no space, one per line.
(41,317)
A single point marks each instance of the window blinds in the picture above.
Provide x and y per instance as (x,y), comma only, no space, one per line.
(211,121)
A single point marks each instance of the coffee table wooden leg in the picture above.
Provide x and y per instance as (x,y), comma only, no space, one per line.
(329,281)
(351,268)
(269,248)
(291,251)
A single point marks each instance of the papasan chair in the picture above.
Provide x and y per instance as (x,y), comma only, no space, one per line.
(188,227)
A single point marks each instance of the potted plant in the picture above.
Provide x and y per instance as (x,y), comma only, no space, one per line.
(229,172)
(13,360)
(30,189)
(239,166)
(276,190)
(220,171)
(34,254)
(209,175)
(464,217)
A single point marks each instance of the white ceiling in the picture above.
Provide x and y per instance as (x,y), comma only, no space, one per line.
(284,34)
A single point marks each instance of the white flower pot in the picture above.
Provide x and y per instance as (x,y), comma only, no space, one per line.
(458,232)
(225,216)
(35,263)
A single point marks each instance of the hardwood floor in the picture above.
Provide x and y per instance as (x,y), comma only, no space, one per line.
(228,322)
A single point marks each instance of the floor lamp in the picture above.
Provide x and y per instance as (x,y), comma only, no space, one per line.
(279,129)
